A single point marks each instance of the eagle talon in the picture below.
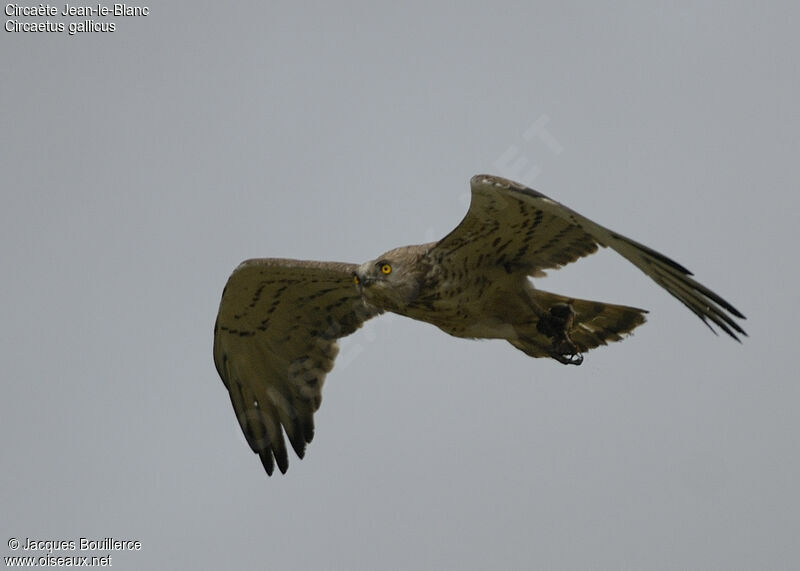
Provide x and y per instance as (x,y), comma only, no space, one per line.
(565,351)
(568,358)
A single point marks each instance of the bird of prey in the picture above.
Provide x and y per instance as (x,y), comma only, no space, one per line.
(276,333)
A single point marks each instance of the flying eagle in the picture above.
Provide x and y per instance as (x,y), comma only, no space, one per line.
(276,333)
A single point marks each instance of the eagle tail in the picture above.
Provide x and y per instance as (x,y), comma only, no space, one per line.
(565,327)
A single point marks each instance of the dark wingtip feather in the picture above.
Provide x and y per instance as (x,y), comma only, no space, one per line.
(296,436)
(281,457)
(735,311)
(266,460)
(653,254)
(308,429)
(299,446)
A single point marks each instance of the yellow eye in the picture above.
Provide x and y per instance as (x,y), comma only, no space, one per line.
(356,280)
(386,269)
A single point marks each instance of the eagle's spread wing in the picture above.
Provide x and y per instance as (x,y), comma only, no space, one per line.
(515,227)
(274,342)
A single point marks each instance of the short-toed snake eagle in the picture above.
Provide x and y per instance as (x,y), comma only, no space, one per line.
(275,335)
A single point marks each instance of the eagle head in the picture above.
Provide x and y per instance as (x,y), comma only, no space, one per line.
(392,281)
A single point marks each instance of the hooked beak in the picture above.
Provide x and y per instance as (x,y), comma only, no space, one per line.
(362,281)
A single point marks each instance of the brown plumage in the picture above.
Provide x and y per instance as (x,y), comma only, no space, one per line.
(275,336)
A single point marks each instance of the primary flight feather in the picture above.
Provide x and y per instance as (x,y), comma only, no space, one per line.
(279,319)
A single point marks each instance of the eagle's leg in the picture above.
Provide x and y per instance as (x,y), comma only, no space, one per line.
(556,323)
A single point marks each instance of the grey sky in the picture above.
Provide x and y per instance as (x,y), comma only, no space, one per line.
(141,166)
